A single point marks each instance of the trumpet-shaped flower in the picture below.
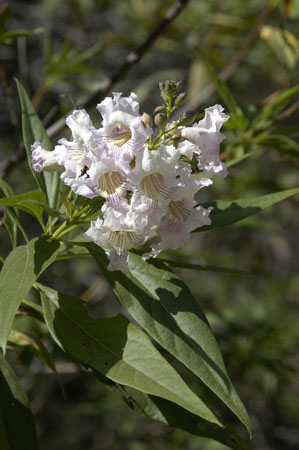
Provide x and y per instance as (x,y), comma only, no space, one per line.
(123,133)
(147,185)
(106,179)
(204,140)
(154,177)
(43,159)
(181,217)
(123,228)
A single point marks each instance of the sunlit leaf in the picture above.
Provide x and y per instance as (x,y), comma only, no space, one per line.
(228,212)
(21,269)
(163,305)
(117,349)
(32,203)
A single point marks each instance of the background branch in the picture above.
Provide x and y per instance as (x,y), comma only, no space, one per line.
(133,57)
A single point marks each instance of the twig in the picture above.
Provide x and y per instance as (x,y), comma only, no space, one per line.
(132,58)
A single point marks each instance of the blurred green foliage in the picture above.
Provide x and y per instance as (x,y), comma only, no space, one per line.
(255,318)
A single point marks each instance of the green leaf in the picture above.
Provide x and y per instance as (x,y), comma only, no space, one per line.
(32,203)
(237,115)
(192,266)
(163,305)
(20,270)
(33,130)
(279,142)
(4,15)
(172,415)
(21,339)
(276,105)
(17,429)
(228,212)
(14,34)
(283,44)
(10,217)
(117,349)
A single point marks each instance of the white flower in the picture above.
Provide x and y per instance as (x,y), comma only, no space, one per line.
(43,159)
(182,217)
(123,228)
(106,179)
(154,177)
(76,155)
(123,133)
(204,139)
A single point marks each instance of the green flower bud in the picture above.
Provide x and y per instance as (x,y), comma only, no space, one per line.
(174,141)
(169,88)
(187,118)
(159,109)
(180,99)
(160,120)
(174,131)
(147,121)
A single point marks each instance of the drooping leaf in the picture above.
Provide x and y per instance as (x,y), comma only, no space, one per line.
(10,217)
(32,203)
(283,44)
(193,266)
(21,269)
(21,339)
(172,415)
(17,430)
(163,305)
(228,212)
(276,105)
(33,130)
(283,144)
(117,349)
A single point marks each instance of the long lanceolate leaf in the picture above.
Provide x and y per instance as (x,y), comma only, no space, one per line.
(10,218)
(17,430)
(163,305)
(167,413)
(117,349)
(170,414)
(33,130)
(20,270)
(225,213)
(32,203)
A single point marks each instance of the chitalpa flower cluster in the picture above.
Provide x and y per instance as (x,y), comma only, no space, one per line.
(146,177)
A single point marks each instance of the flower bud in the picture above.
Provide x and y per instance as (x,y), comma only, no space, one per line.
(187,118)
(180,99)
(169,88)
(147,121)
(160,120)
(174,141)
(159,109)
(174,131)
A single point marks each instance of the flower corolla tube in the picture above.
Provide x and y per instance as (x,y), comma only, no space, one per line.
(147,179)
